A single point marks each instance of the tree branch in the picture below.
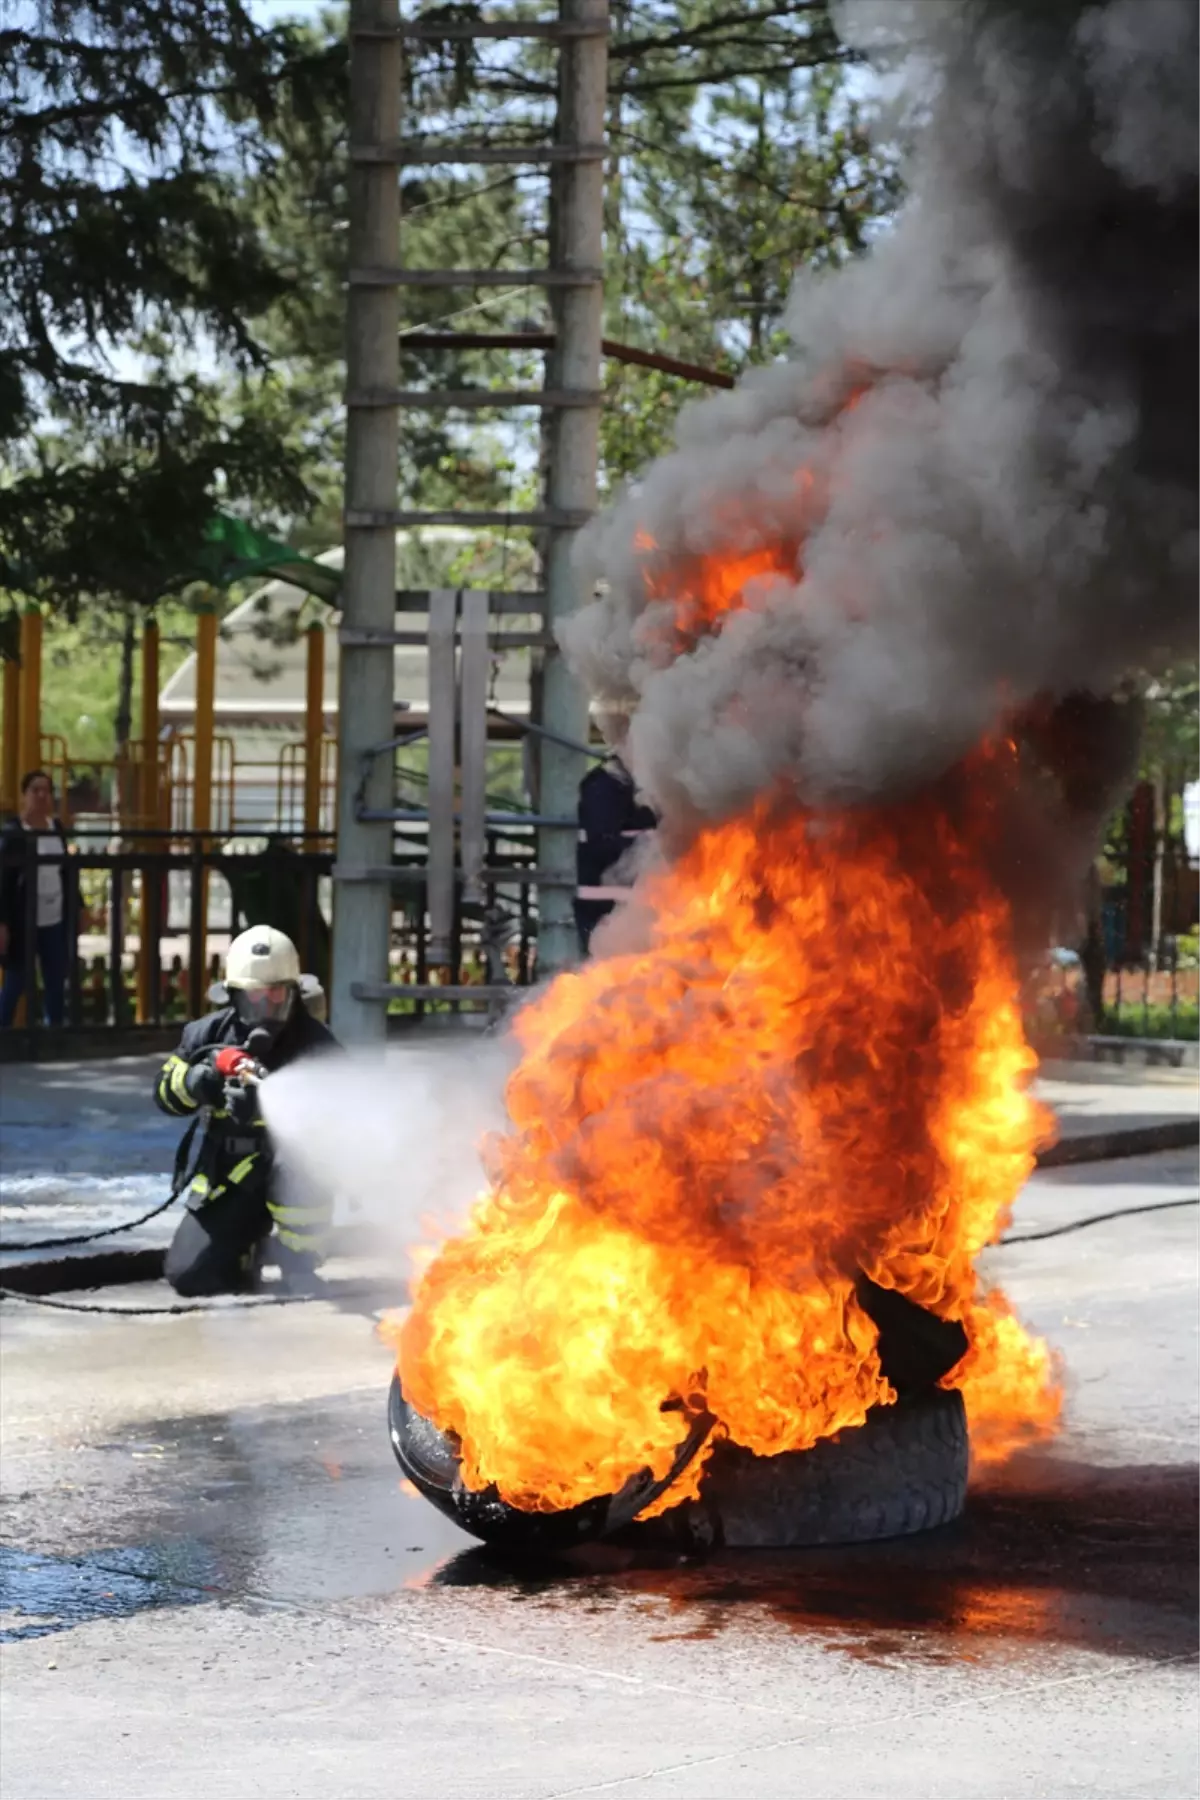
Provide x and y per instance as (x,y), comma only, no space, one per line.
(791,9)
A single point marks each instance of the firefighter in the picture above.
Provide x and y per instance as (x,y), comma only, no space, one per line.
(612,820)
(234,1198)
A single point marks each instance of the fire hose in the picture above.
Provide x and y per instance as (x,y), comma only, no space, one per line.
(251,1300)
(237,1066)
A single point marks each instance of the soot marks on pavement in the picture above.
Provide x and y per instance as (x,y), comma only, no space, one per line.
(43,1595)
(1049,1551)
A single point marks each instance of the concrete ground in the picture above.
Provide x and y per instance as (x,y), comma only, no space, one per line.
(82,1146)
(214,1583)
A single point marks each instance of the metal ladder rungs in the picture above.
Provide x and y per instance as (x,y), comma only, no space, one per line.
(413,155)
(440,278)
(350,638)
(484,992)
(500,600)
(547,518)
(474,399)
(400,875)
(457,31)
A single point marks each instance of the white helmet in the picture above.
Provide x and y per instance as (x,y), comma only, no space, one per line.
(262,972)
(611,717)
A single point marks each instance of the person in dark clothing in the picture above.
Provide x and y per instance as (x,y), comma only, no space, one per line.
(34,842)
(234,1199)
(611,820)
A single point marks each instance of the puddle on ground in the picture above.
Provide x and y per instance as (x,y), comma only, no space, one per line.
(1054,1552)
(305,1504)
(42,1595)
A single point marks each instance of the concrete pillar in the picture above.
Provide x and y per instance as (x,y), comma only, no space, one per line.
(577,242)
(362,912)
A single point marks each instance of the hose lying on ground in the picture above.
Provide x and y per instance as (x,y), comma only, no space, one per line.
(89,1237)
(180,1177)
(248,1300)
(1120,1212)
(177,1306)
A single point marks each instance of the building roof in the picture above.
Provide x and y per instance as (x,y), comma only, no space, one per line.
(262,654)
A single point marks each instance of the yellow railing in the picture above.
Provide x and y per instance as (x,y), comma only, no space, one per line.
(181,782)
(127,789)
(152,787)
(290,787)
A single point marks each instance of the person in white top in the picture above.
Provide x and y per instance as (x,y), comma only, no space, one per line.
(34,833)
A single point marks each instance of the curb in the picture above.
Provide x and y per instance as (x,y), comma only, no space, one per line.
(87,1043)
(112,1268)
(1126,1140)
(1127,1052)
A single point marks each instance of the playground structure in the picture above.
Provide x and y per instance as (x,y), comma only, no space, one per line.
(437,800)
(224,806)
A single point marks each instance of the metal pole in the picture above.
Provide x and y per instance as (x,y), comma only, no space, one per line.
(10,773)
(202,747)
(362,912)
(147,805)
(148,798)
(314,731)
(443,613)
(31,690)
(473,697)
(572,450)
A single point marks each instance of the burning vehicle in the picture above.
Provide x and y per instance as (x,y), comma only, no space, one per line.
(871,620)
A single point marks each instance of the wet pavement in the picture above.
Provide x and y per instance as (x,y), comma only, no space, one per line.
(215,1583)
(82,1147)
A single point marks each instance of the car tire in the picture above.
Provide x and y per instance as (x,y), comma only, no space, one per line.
(903,1470)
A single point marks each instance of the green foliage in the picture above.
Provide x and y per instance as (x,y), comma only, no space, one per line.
(720,195)
(125,129)
(176,220)
(1171,738)
(81,675)
(737,155)
(1132,1020)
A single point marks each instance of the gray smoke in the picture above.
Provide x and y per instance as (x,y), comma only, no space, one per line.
(1008,510)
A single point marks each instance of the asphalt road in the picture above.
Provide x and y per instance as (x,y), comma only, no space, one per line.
(214,1585)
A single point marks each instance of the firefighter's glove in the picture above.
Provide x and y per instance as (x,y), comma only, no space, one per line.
(205,1085)
(241,1103)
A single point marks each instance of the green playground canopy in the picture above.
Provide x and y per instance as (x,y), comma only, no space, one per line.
(232,550)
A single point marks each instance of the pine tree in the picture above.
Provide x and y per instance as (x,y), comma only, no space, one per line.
(132,277)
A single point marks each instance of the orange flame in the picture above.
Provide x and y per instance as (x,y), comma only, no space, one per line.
(814,1066)
(705,590)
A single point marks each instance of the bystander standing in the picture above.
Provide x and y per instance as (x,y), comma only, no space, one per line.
(34,842)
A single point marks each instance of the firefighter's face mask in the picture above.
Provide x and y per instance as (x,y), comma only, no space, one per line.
(264,1007)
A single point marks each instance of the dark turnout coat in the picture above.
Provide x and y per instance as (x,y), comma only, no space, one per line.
(611,820)
(236,1154)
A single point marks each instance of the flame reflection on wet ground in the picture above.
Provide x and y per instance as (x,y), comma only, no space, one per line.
(1051,1551)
